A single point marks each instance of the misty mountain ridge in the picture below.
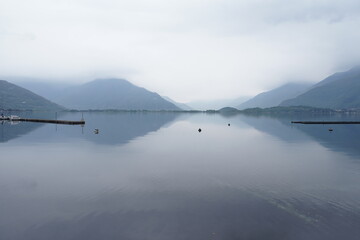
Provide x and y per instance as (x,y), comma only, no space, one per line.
(17,98)
(275,96)
(338,91)
(353,72)
(112,93)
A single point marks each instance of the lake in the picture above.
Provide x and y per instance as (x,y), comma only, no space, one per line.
(154,176)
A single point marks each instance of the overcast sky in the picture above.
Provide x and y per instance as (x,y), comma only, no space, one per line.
(185,49)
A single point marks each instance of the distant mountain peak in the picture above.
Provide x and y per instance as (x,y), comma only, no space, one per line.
(113,93)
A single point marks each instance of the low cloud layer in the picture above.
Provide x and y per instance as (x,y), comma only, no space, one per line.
(190,49)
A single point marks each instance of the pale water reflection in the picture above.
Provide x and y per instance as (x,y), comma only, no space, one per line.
(154,176)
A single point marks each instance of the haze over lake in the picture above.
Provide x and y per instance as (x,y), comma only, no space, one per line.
(150,175)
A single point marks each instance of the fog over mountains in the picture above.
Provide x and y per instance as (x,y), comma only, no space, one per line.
(101,94)
(113,94)
(338,91)
(276,96)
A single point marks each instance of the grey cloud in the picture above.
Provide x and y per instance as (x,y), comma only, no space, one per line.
(225,48)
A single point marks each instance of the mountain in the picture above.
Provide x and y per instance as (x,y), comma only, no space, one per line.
(182,106)
(338,91)
(113,94)
(18,98)
(274,97)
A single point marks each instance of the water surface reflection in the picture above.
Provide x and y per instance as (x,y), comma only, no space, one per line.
(155,177)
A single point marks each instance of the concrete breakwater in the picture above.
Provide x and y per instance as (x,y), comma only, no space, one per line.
(67,122)
(326,122)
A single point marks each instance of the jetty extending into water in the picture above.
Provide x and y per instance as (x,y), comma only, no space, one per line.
(81,122)
(326,122)
(67,122)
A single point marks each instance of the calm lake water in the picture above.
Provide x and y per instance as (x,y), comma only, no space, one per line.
(154,176)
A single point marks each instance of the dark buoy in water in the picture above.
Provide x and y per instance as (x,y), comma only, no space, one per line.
(330,129)
(229,124)
(199,130)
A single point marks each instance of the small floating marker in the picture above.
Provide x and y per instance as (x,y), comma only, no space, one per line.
(330,129)
(229,124)
(199,130)
(96,131)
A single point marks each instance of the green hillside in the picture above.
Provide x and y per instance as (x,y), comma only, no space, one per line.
(339,91)
(17,98)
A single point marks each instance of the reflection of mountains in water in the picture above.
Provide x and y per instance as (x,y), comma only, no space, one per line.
(120,128)
(344,138)
(114,128)
(13,130)
(274,127)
